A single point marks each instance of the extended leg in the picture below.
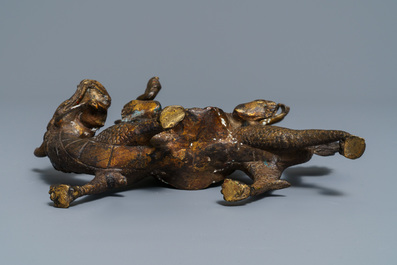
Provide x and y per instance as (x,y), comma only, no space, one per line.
(278,138)
(62,195)
(266,177)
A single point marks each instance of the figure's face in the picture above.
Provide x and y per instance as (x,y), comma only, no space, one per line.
(261,112)
(94,104)
(96,96)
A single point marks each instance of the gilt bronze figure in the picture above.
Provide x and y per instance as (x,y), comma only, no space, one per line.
(185,148)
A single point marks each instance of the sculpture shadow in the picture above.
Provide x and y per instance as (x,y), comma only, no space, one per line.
(294,176)
(50,176)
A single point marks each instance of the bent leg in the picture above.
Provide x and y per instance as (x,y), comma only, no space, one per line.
(62,195)
(266,177)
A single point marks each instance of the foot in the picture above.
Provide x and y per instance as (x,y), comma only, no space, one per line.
(352,147)
(62,195)
(276,184)
(234,190)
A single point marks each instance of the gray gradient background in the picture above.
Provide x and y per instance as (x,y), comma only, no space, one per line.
(333,62)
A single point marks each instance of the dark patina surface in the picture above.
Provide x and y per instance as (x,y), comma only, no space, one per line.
(186,148)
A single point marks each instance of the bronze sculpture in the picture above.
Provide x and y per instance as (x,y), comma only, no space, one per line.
(186,148)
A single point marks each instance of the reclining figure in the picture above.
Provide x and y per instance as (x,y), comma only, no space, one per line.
(185,148)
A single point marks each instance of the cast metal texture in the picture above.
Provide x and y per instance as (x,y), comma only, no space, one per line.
(187,148)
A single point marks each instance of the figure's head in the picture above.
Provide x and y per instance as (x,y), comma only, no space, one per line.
(260,112)
(90,102)
(93,94)
(83,113)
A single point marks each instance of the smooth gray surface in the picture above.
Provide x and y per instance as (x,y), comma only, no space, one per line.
(333,63)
